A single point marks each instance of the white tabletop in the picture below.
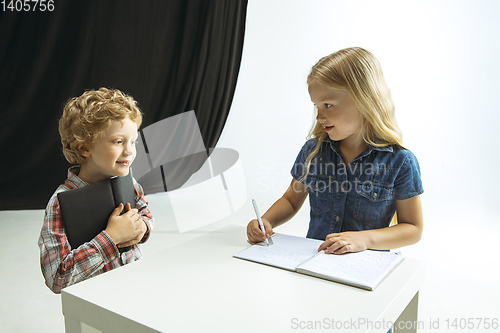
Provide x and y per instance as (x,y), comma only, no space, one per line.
(198,286)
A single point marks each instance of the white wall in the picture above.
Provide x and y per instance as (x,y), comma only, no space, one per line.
(440,59)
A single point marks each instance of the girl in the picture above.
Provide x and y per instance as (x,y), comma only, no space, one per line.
(354,166)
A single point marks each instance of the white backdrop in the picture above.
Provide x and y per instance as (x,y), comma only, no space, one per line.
(440,59)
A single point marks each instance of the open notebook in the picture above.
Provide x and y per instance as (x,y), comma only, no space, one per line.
(363,269)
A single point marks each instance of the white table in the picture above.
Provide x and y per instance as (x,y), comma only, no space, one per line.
(197,286)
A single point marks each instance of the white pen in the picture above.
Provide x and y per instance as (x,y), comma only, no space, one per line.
(260,220)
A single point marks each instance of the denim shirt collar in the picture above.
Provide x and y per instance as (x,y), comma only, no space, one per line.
(386,148)
(367,151)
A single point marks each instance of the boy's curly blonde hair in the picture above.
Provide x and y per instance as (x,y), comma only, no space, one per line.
(87,117)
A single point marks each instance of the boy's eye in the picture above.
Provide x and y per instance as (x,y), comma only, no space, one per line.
(134,142)
(328,105)
(117,141)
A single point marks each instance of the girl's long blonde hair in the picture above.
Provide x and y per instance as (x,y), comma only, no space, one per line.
(358,72)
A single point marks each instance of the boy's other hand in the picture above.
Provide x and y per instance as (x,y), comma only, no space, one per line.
(126,229)
(254,234)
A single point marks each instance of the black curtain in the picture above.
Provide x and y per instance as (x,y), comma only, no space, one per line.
(170,55)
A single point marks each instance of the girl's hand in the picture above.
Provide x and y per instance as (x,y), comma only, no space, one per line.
(345,242)
(255,235)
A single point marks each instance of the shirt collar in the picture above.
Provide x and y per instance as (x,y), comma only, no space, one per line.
(73,178)
(335,146)
(385,148)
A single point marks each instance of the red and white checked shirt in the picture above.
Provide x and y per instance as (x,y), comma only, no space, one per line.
(63,266)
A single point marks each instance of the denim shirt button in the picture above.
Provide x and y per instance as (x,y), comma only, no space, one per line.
(374,195)
(342,190)
(337,218)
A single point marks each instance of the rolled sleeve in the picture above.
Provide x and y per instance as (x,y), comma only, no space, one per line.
(141,204)
(408,183)
(298,167)
(105,245)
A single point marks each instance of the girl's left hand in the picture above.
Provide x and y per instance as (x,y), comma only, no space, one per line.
(345,242)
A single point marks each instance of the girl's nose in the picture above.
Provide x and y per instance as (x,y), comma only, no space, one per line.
(320,116)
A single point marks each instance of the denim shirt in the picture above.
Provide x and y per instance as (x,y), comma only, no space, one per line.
(358,196)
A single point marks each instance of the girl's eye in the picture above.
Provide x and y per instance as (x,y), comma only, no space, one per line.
(134,142)
(118,142)
(328,105)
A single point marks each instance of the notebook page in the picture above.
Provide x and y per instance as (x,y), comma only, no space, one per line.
(287,252)
(366,268)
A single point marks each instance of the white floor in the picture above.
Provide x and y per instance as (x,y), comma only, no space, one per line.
(459,247)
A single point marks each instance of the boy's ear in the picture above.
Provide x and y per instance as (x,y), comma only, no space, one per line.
(84,151)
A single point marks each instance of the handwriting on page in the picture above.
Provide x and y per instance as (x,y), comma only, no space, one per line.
(362,266)
(275,256)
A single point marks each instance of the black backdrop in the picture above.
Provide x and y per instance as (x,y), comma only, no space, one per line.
(170,55)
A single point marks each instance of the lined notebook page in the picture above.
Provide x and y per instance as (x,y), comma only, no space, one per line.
(365,268)
(287,252)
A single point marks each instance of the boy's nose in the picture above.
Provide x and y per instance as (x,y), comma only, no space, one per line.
(128,150)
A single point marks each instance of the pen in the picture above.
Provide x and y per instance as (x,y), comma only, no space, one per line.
(260,220)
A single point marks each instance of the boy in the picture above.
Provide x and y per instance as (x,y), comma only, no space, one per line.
(98,133)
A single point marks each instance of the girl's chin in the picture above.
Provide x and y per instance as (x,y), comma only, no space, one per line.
(334,137)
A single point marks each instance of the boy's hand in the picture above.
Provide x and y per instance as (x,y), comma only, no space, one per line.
(345,242)
(126,229)
(136,239)
(255,235)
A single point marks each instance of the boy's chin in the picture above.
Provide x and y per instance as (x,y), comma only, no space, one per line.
(123,172)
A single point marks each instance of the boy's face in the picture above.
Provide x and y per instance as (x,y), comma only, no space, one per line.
(113,154)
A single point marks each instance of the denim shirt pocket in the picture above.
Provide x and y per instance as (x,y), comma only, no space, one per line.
(373,203)
(320,194)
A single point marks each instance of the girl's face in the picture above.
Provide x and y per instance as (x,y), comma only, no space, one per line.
(337,113)
(113,154)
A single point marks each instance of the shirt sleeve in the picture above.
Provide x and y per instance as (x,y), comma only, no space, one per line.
(408,183)
(62,266)
(298,167)
(141,203)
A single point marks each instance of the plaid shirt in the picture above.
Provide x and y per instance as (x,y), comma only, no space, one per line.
(63,266)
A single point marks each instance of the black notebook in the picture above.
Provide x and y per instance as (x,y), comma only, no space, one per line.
(85,210)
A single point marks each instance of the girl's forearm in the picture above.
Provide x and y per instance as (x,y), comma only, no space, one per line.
(288,205)
(280,212)
(400,235)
